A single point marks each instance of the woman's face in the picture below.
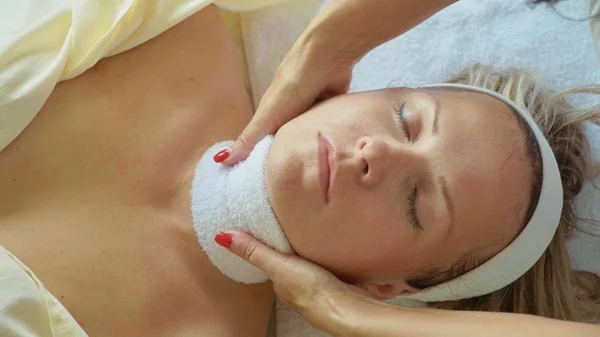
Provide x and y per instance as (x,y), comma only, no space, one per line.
(380,187)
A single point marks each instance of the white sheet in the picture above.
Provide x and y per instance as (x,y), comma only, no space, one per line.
(495,32)
(45,42)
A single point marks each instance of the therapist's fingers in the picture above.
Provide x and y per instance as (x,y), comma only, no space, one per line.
(308,288)
(251,250)
(273,263)
(275,110)
(296,281)
(301,80)
(286,98)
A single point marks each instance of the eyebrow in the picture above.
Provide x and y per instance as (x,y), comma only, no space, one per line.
(447,199)
(442,179)
(436,117)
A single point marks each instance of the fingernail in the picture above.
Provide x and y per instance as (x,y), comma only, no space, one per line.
(221,155)
(224,239)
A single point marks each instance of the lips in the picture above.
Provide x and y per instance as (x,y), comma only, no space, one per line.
(327,165)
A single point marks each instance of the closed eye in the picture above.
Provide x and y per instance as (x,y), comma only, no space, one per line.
(401,115)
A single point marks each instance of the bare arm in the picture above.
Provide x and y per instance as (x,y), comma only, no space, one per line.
(319,65)
(378,319)
(351,28)
(343,311)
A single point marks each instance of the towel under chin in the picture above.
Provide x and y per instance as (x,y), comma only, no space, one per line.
(235,198)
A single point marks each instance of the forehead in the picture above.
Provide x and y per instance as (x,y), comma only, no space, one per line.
(482,151)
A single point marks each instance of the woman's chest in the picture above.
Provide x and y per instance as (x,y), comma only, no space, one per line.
(133,271)
(95,192)
(134,126)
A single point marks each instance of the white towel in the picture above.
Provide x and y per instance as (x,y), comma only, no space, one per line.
(503,33)
(235,198)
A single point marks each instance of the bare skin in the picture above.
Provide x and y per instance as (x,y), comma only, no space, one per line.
(95,192)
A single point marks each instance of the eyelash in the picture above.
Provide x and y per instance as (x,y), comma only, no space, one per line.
(412,198)
(400,114)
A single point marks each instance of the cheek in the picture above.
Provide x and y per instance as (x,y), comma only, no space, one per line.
(359,242)
(290,195)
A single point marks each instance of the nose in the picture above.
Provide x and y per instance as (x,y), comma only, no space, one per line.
(380,161)
(374,155)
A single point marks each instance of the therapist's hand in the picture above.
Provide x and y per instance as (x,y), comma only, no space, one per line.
(342,310)
(306,75)
(319,65)
(325,301)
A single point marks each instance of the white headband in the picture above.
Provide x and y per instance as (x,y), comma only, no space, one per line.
(523,252)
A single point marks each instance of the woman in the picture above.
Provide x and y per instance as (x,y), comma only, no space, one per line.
(97,187)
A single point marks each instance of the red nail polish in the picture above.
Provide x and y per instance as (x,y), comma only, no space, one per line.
(221,155)
(224,239)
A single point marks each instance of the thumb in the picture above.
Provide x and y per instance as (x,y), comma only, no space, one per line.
(255,252)
(283,101)
(256,130)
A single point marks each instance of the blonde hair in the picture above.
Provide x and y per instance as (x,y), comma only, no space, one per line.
(551,288)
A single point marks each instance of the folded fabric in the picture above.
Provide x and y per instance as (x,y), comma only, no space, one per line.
(44,42)
(27,308)
(235,198)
